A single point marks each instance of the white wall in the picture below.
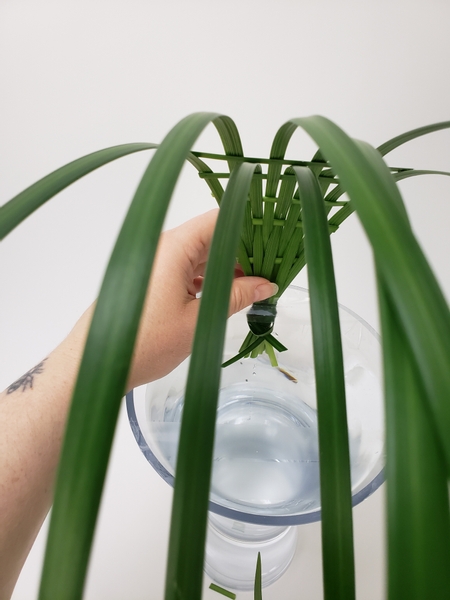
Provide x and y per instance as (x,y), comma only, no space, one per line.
(79,76)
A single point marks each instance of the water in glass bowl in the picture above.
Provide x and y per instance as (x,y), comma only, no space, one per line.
(266,457)
(266,454)
(266,451)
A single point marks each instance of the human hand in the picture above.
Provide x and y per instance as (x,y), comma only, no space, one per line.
(170,314)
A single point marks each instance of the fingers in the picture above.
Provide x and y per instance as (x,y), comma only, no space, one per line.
(198,284)
(195,237)
(246,290)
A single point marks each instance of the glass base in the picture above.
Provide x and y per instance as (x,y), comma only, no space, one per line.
(232,550)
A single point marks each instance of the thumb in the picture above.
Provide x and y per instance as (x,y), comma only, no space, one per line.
(246,290)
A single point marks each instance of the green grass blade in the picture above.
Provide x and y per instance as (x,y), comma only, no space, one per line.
(258,579)
(335,483)
(256,194)
(278,150)
(275,343)
(410,135)
(221,590)
(420,303)
(289,257)
(417,496)
(247,350)
(316,162)
(291,226)
(285,197)
(21,206)
(270,253)
(104,368)
(256,204)
(416,172)
(274,235)
(325,175)
(298,265)
(212,182)
(193,471)
(384,149)
(348,209)
(243,259)
(267,225)
(231,141)
(230,137)
(337,219)
(247,230)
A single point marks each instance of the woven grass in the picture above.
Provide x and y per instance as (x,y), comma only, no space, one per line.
(272,238)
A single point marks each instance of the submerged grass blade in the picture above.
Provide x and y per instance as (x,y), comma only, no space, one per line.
(422,307)
(335,483)
(193,471)
(24,204)
(105,365)
(418,515)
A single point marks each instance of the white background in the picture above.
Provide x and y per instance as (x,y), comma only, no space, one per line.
(79,76)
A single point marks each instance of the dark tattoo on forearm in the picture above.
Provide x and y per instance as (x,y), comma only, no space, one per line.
(26,381)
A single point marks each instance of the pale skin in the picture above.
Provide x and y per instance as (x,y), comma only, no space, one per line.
(33,410)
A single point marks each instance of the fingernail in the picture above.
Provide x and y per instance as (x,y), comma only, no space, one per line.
(266,290)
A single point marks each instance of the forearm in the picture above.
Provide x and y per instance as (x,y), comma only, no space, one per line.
(33,413)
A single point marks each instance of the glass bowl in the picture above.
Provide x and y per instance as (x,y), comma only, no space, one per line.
(266,463)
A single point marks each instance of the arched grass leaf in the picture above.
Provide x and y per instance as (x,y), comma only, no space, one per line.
(419,301)
(335,482)
(418,519)
(194,461)
(105,365)
(21,206)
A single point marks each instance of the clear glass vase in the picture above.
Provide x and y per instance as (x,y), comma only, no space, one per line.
(265,477)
